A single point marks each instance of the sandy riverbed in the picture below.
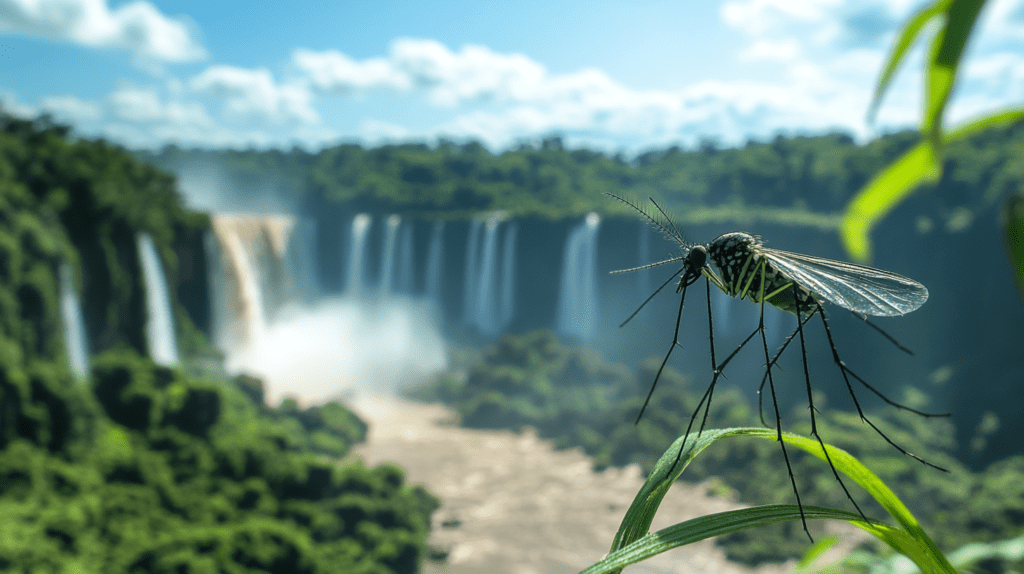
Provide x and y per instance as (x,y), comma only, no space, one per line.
(512,504)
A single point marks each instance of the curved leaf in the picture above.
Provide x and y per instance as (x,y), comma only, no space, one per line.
(903,44)
(712,525)
(897,181)
(947,50)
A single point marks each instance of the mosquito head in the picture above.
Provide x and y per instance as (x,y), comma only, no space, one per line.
(696,260)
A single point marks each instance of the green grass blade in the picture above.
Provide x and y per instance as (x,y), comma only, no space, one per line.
(633,543)
(711,525)
(897,181)
(899,51)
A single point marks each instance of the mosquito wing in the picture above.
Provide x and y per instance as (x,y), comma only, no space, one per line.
(860,289)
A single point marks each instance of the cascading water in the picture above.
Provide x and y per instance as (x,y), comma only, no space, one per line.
(577,297)
(74,324)
(387,272)
(301,258)
(403,283)
(470,268)
(220,315)
(159,321)
(355,277)
(484,311)
(489,297)
(333,345)
(435,265)
(507,295)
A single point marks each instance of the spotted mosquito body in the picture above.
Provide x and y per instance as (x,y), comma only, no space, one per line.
(792,282)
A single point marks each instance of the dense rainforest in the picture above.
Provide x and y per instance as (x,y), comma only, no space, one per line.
(145,468)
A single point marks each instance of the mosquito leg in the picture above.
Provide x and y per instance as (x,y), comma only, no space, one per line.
(860,412)
(764,378)
(810,402)
(648,299)
(778,417)
(891,402)
(675,340)
(884,334)
(716,370)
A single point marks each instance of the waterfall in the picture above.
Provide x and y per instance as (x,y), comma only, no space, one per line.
(159,320)
(486,280)
(435,265)
(387,272)
(330,346)
(301,257)
(507,295)
(577,297)
(74,324)
(355,277)
(403,283)
(257,273)
(469,284)
(220,314)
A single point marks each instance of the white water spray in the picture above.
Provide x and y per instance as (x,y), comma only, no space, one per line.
(159,320)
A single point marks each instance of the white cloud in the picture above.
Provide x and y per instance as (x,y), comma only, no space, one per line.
(475,73)
(255,94)
(144,106)
(503,98)
(70,108)
(136,26)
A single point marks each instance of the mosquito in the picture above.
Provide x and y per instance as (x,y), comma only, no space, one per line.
(795,283)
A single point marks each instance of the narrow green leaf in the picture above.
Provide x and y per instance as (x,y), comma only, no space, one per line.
(899,51)
(921,549)
(1013,233)
(711,525)
(901,178)
(947,51)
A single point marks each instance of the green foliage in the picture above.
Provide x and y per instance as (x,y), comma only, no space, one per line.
(85,202)
(184,474)
(144,468)
(579,400)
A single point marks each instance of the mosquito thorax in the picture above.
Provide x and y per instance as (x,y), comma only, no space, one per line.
(730,251)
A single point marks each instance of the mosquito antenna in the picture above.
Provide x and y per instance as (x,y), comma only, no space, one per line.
(672,233)
(675,232)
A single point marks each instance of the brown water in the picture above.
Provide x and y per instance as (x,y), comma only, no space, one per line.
(512,504)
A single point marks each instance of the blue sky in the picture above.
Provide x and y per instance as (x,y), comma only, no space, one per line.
(609,75)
